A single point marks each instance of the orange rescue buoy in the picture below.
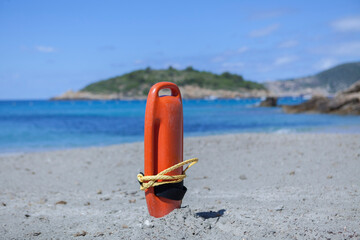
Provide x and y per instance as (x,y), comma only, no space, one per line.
(163,142)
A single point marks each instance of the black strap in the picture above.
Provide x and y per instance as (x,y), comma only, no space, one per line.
(173,191)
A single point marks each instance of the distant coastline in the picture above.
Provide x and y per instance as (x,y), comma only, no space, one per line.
(187,92)
(196,84)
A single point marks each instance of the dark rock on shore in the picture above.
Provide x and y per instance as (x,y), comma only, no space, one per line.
(346,102)
(269,102)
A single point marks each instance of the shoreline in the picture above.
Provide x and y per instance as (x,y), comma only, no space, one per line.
(279,132)
(244,186)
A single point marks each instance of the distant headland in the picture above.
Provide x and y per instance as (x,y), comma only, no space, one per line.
(196,84)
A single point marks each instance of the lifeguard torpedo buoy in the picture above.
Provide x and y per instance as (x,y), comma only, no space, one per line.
(163,142)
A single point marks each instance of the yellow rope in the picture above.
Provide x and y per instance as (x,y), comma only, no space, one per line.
(151,181)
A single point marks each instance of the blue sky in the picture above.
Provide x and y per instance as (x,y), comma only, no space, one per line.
(48,47)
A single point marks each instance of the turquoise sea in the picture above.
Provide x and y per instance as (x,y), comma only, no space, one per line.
(46,125)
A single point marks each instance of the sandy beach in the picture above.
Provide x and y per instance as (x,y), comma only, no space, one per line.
(251,186)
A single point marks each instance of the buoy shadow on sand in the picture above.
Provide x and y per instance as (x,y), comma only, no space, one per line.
(211,214)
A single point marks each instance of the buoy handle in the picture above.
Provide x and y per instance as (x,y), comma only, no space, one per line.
(175,91)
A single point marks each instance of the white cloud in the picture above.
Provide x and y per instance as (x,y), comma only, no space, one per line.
(45,49)
(264,31)
(350,24)
(350,48)
(284,60)
(137,62)
(325,63)
(288,44)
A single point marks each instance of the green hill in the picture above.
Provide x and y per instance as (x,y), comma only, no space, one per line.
(139,82)
(339,77)
(326,82)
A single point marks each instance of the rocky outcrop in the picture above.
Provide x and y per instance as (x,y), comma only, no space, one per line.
(187,92)
(269,102)
(345,102)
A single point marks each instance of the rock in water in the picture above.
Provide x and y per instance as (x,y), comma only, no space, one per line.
(345,102)
(315,104)
(269,102)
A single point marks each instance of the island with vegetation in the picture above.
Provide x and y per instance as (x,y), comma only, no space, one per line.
(196,84)
(192,83)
